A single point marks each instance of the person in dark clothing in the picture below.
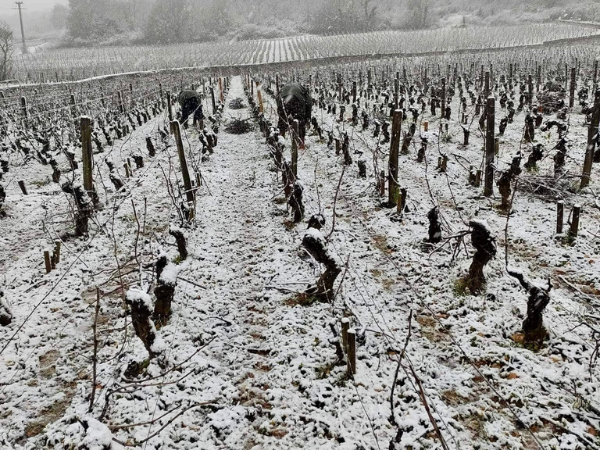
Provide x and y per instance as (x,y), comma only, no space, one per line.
(294,101)
(191,104)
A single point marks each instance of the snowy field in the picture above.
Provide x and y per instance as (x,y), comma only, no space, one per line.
(243,363)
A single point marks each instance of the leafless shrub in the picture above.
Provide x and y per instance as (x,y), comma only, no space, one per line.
(6,51)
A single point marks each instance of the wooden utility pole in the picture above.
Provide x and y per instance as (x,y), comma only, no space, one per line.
(393,162)
(86,154)
(19,5)
(187,182)
(490,146)
(592,132)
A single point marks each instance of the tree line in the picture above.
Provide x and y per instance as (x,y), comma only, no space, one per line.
(173,21)
(122,22)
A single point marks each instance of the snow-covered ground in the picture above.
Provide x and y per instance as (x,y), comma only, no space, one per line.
(245,366)
(88,62)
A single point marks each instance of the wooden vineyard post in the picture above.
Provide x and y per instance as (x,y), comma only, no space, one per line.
(56,252)
(259,95)
(481,77)
(486,89)
(393,163)
(490,147)
(444,96)
(221,90)
(345,328)
(572,88)
(187,183)
(277,85)
(120,100)
(22,187)
(295,137)
(354,92)
(24,108)
(169,108)
(592,132)
(47,261)
(86,154)
(351,351)
(73,108)
(575,220)
(402,200)
(560,208)
(214,103)
(595,75)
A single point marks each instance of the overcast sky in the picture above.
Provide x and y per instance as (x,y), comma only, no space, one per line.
(6,6)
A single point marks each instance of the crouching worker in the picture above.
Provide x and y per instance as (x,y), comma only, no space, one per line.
(294,103)
(191,104)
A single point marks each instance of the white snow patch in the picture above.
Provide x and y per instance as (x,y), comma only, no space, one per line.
(169,274)
(135,294)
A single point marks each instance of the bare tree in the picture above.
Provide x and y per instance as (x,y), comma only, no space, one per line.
(59,16)
(169,22)
(131,12)
(6,51)
(419,17)
(370,13)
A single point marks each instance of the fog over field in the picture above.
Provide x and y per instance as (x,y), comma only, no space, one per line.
(85,22)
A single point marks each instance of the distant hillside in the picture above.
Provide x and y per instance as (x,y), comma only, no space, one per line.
(123,22)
